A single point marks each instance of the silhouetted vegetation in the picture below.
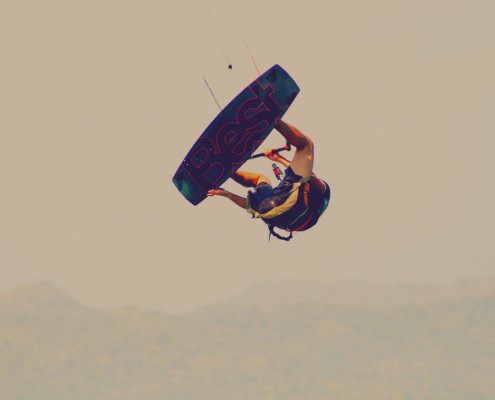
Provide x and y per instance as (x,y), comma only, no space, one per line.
(51,347)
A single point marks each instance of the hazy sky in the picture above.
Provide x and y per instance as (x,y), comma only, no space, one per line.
(101,100)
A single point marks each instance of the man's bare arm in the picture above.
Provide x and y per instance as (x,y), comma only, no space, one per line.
(240,201)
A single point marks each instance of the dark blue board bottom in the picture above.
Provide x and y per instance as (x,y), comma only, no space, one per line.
(234,135)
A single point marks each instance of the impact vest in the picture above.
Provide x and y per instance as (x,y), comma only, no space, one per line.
(293,206)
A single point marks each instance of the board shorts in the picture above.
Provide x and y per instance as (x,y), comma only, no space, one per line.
(293,205)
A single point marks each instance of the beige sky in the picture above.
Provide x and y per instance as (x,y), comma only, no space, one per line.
(101,100)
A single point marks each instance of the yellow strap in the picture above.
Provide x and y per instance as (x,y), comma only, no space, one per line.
(282,208)
(307,186)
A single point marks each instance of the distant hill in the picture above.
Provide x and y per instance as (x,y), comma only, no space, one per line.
(35,296)
(315,348)
(357,292)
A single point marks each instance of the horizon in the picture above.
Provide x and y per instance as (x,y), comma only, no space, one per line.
(231,300)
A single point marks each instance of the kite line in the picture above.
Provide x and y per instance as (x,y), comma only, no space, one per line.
(242,37)
(208,15)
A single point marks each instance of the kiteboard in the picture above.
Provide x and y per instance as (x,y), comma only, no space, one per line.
(234,135)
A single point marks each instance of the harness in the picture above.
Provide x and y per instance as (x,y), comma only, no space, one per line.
(291,216)
(271,228)
(292,206)
(294,219)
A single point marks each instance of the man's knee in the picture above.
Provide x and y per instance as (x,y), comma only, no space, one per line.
(306,144)
(308,149)
(310,145)
(302,162)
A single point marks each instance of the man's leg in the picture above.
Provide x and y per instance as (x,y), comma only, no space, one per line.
(302,162)
(249,179)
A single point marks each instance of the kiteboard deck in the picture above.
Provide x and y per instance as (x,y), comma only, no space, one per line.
(234,135)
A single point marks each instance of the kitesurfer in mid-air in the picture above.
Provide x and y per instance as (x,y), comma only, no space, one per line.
(298,201)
